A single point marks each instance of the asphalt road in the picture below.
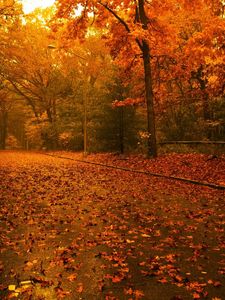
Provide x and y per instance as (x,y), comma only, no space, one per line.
(75,231)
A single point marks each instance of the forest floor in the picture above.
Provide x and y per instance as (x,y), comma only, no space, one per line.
(71,230)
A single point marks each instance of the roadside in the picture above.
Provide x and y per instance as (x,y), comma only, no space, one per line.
(202,167)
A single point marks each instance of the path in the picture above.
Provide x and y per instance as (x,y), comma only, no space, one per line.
(73,231)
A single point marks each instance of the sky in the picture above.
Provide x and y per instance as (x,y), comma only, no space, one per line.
(30,5)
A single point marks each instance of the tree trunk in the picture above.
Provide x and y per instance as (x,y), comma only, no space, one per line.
(205,101)
(121,133)
(206,107)
(52,140)
(85,95)
(152,147)
(4,127)
(205,96)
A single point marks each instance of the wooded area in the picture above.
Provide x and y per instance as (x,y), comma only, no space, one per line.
(111,76)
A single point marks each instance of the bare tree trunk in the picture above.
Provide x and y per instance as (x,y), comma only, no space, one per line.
(121,133)
(85,95)
(205,100)
(52,140)
(206,107)
(152,147)
(4,127)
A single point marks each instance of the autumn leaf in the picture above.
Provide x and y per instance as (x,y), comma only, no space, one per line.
(210,281)
(72,277)
(80,288)
(117,279)
(178,278)
(217,283)
(61,294)
(163,280)
(130,241)
(196,296)
(128,291)
(138,294)
(145,235)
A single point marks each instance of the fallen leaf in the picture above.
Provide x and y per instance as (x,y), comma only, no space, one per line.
(196,296)
(116,279)
(145,235)
(61,293)
(128,292)
(80,288)
(163,280)
(217,283)
(138,294)
(72,277)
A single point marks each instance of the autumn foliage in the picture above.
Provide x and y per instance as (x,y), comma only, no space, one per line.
(161,63)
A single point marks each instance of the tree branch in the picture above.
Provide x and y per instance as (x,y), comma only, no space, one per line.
(121,21)
(26,97)
(116,16)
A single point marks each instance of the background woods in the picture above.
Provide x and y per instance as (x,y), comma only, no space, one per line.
(123,75)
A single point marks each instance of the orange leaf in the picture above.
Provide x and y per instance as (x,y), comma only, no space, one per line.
(163,280)
(116,279)
(138,294)
(128,292)
(217,283)
(72,277)
(210,281)
(80,288)
(196,296)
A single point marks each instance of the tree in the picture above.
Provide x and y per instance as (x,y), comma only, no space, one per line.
(89,67)
(10,12)
(133,21)
(192,72)
(163,59)
(5,106)
(9,9)
(33,70)
(187,54)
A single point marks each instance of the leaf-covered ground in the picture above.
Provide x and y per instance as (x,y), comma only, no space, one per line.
(77,231)
(201,167)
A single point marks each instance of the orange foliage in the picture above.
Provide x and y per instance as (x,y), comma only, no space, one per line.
(128,102)
(183,36)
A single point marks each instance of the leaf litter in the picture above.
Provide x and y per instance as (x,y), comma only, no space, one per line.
(74,231)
